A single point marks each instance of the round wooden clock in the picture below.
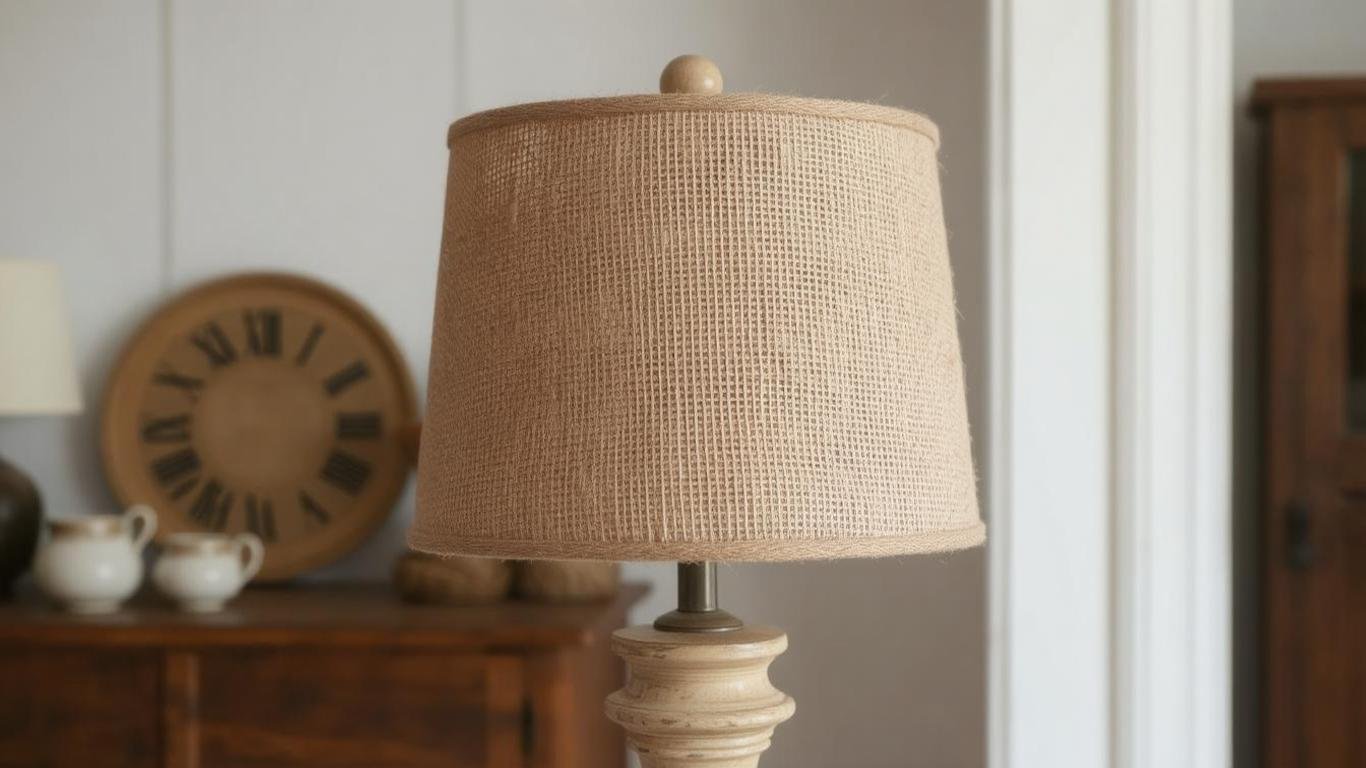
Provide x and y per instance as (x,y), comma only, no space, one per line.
(265,403)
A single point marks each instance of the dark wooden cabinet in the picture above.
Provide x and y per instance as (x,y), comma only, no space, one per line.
(336,676)
(1314,516)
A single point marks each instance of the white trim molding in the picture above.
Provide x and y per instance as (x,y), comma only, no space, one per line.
(1111,391)
(1172,351)
(1049,477)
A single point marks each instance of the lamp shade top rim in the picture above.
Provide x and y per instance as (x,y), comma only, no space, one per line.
(762,103)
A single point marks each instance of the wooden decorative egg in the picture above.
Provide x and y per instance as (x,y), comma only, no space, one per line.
(266,403)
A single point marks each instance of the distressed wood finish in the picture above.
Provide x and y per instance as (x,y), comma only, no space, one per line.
(1314,518)
(336,676)
(699,698)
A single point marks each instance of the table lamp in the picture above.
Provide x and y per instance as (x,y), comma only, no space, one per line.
(37,376)
(700,327)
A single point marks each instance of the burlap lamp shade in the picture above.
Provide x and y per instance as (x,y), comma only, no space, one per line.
(695,327)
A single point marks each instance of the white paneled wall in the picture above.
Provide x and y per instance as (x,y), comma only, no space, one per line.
(310,137)
(81,184)
(149,145)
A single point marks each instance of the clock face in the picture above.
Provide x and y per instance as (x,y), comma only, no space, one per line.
(263,403)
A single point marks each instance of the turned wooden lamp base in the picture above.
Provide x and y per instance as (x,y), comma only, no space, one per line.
(699,698)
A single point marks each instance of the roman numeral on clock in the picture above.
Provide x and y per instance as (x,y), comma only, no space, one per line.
(341,380)
(311,341)
(215,345)
(166,429)
(263,331)
(187,384)
(313,509)
(171,469)
(211,507)
(346,472)
(260,518)
(363,425)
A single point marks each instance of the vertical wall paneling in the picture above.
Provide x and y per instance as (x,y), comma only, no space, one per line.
(310,138)
(80,185)
(1051,400)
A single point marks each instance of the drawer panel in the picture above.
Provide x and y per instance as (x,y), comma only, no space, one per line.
(79,708)
(299,707)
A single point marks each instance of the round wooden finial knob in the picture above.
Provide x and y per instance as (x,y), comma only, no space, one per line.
(690,73)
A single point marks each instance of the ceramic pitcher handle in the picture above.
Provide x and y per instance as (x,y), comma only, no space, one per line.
(143,520)
(253,554)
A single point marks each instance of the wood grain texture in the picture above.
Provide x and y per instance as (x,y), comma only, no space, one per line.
(697,699)
(425,709)
(335,676)
(67,707)
(1313,668)
(346,615)
(180,709)
(1303,91)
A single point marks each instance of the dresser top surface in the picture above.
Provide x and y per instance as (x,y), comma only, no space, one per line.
(1272,92)
(325,615)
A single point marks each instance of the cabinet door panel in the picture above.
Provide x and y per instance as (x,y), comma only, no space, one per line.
(1314,691)
(79,708)
(299,707)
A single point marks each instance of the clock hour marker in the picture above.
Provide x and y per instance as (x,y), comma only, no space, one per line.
(211,507)
(178,492)
(341,380)
(311,341)
(364,425)
(167,429)
(215,345)
(260,518)
(189,384)
(263,331)
(346,472)
(175,467)
(313,509)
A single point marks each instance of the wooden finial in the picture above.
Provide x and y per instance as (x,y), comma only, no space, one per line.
(690,73)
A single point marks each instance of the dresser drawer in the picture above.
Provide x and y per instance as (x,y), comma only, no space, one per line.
(315,675)
(300,707)
(77,708)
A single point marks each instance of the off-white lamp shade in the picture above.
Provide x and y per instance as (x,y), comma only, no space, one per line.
(37,374)
(695,327)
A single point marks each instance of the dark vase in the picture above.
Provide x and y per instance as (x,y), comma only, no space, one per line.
(21,515)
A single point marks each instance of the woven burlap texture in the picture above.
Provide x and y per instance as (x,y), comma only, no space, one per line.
(695,328)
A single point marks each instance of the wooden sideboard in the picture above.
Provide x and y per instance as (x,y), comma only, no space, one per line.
(1313,515)
(318,676)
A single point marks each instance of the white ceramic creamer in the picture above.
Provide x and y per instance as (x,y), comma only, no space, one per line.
(92,564)
(200,572)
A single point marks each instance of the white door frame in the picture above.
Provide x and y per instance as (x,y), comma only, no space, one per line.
(1110,142)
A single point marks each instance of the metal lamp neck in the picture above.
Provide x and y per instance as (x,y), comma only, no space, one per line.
(698,609)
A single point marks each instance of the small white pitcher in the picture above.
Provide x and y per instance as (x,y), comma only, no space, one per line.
(200,572)
(92,564)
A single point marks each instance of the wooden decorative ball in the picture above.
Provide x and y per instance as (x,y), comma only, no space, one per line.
(563,581)
(691,73)
(423,578)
